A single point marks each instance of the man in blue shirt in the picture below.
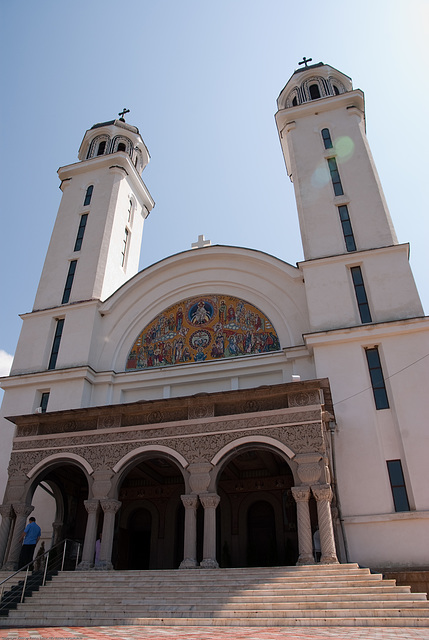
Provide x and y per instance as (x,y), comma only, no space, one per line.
(30,538)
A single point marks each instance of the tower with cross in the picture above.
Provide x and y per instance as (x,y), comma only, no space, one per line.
(95,245)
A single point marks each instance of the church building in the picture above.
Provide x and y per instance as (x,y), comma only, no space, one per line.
(220,406)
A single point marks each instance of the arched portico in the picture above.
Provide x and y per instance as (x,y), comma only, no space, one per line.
(194,475)
(66,482)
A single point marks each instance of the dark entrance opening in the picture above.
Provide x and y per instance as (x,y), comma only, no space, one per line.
(257,512)
(150,525)
(261,535)
(139,532)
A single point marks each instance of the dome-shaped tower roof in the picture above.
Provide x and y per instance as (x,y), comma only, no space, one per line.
(313,82)
(112,137)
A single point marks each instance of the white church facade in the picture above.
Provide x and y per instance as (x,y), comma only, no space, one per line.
(218,407)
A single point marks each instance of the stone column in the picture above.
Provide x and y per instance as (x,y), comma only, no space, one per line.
(305,539)
(57,529)
(323,495)
(110,507)
(6,513)
(209,502)
(190,547)
(92,507)
(22,511)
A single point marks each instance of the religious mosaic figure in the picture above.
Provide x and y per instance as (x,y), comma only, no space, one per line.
(203,328)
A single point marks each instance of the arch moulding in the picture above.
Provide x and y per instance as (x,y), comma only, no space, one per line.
(60,457)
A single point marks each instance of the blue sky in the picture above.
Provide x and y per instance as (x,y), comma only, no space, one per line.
(201,80)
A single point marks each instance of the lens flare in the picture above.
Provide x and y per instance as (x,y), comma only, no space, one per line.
(320,176)
(344,147)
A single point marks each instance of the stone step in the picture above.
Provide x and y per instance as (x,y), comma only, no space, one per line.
(136,607)
(250,615)
(285,596)
(64,621)
(328,596)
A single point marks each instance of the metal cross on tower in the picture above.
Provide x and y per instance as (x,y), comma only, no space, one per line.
(123,112)
(305,61)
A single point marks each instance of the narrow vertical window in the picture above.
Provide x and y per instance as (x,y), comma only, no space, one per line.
(397,484)
(336,90)
(101,148)
(326,137)
(56,344)
(80,232)
(314,91)
(121,146)
(69,282)
(294,102)
(130,211)
(44,401)
(335,177)
(88,195)
(377,378)
(362,300)
(124,247)
(347,228)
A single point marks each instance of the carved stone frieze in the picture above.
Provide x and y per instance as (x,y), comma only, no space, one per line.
(109,422)
(175,430)
(198,411)
(198,447)
(303,398)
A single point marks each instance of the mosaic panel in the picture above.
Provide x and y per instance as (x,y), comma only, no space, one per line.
(203,328)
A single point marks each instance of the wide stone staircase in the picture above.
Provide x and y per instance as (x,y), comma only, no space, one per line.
(321,595)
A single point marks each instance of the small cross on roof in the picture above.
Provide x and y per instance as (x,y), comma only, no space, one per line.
(202,242)
(122,114)
(305,61)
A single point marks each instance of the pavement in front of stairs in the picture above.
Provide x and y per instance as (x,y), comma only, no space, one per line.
(134,632)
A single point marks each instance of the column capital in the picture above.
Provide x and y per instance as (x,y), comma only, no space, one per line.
(23,509)
(301,494)
(6,511)
(322,492)
(209,500)
(92,506)
(190,501)
(110,506)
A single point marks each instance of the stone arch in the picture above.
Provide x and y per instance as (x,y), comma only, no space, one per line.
(134,457)
(229,451)
(57,458)
(248,471)
(121,140)
(148,484)
(95,143)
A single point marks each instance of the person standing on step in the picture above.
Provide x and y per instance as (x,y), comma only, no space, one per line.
(97,551)
(316,545)
(29,538)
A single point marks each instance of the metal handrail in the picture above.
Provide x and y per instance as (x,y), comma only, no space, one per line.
(41,558)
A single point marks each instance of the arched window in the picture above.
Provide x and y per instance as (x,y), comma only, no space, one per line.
(314,91)
(101,148)
(295,102)
(121,147)
(326,136)
(336,90)
(88,195)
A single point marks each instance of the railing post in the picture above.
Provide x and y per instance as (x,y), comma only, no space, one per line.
(77,556)
(25,584)
(64,555)
(46,568)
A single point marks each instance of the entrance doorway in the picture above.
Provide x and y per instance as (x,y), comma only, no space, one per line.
(149,534)
(257,514)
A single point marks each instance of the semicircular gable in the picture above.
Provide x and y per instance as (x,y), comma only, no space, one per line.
(202,328)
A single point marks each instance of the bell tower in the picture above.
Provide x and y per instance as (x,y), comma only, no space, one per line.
(96,241)
(355,271)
